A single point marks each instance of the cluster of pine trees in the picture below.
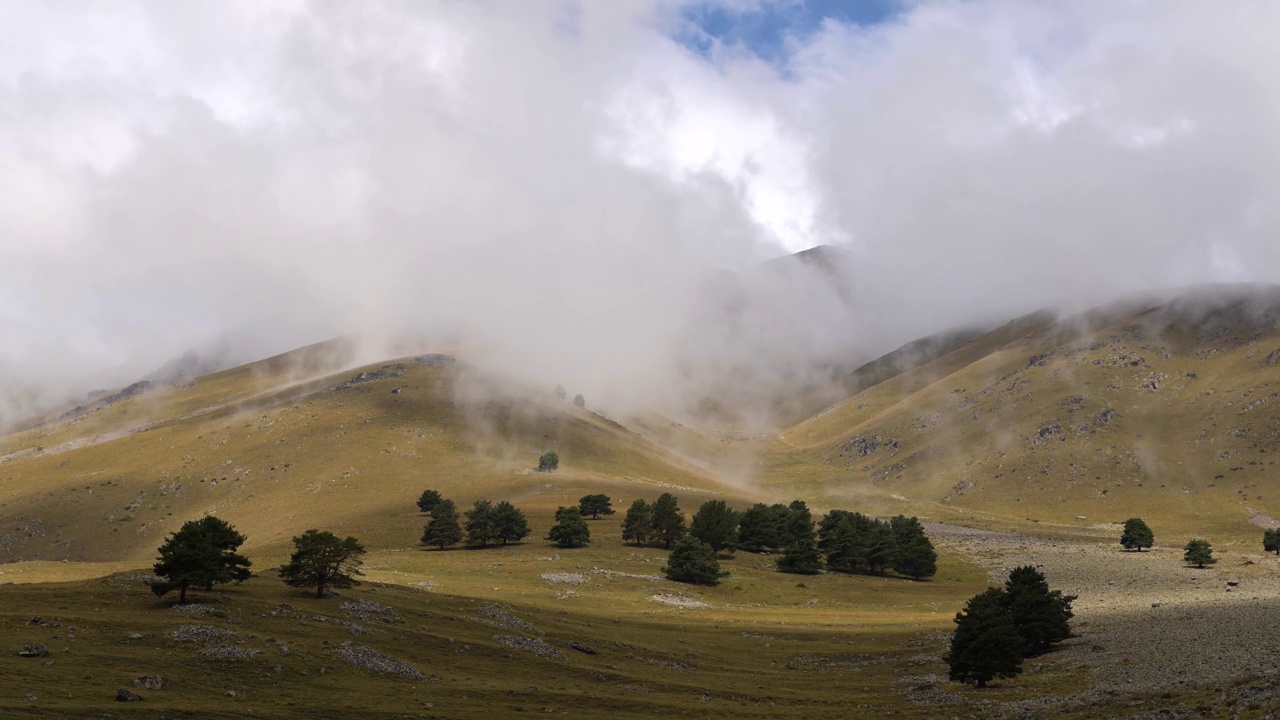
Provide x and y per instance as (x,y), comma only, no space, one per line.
(486,523)
(844,541)
(1003,625)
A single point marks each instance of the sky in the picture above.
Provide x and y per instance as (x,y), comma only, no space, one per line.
(565,185)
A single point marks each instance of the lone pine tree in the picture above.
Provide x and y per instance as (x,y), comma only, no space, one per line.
(1271,540)
(548,462)
(1199,553)
(201,553)
(1136,535)
(322,560)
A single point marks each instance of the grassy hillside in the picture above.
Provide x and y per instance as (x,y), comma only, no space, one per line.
(1164,410)
(276,461)
(1047,426)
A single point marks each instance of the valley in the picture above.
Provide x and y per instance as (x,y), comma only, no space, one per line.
(1027,443)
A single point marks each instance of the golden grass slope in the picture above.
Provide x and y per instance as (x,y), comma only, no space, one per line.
(275,457)
(1163,410)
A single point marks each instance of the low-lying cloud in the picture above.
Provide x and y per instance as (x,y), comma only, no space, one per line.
(567,187)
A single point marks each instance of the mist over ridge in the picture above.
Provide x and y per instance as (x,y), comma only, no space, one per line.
(577,197)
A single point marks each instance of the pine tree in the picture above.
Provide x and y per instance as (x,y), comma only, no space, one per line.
(201,553)
(480,529)
(837,541)
(1199,553)
(693,561)
(878,540)
(428,500)
(715,524)
(322,561)
(595,505)
(986,644)
(801,556)
(1136,535)
(570,530)
(1039,614)
(913,554)
(668,521)
(1271,540)
(763,527)
(637,525)
(509,524)
(443,530)
(548,462)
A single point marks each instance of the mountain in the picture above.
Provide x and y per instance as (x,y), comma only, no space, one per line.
(1161,404)
(1019,443)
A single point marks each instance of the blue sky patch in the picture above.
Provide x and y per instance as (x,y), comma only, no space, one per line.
(765,30)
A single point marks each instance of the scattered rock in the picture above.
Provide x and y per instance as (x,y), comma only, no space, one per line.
(367,658)
(880,476)
(200,634)
(582,648)
(529,645)
(370,611)
(227,652)
(497,616)
(863,446)
(30,698)
(34,650)
(568,578)
(388,371)
(126,695)
(678,601)
(149,682)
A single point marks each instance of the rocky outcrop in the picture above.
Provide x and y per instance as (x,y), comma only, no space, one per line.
(386,372)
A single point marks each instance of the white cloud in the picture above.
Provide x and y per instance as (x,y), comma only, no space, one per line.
(175,172)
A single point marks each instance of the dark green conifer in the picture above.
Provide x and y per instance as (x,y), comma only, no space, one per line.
(1199,553)
(986,644)
(1136,535)
(693,561)
(668,521)
(715,524)
(1039,614)
(637,526)
(444,529)
(570,530)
